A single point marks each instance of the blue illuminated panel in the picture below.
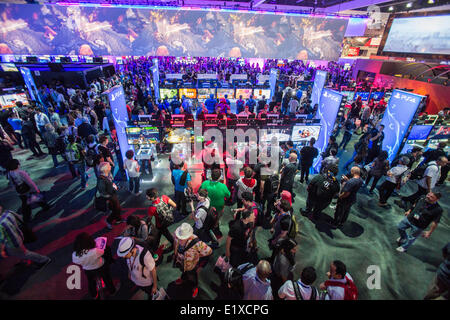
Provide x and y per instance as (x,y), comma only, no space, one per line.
(319,83)
(330,102)
(398,115)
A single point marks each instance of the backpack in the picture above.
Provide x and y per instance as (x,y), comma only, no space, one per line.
(272,184)
(183,178)
(419,172)
(403,178)
(325,190)
(363,173)
(73,153)
(165,213)
(211,217)
(293,227)
(90,156)
(350,289)
(299,296)
(61,144)
(141,261)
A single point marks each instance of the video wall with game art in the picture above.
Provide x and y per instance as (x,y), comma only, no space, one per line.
(122,31)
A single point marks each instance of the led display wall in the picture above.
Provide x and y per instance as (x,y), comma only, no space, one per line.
(122,31)
(399,113)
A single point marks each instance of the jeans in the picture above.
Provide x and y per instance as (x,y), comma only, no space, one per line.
(351,160)
(81,168)
(134,184)
(374,183)
(180,200)
(406,239)
(386,190)
(414,197)
(23,253)
(345,140)
(158,233)
(114,205)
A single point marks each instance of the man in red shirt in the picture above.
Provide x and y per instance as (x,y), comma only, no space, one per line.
(152,195)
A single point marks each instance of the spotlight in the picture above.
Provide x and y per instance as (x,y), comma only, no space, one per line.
(391,8)
(409,5)
(430,1)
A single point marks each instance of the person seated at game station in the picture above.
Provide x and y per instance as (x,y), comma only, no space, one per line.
(223,105)
(246,112)
(263,113)
(240,105)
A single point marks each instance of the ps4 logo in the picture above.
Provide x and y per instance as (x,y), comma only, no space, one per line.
(405,97)
(330,96)
(114,96)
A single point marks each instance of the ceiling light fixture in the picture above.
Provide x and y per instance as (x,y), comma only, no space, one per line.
(409,5)
(391,8)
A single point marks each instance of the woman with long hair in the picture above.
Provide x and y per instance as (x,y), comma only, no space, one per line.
(95,259)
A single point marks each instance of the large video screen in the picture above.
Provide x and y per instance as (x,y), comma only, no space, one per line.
(204,93)
(440,133)
(9,100)
(122,31)
(142,135)
(363,94)
(169,93)
(245,93)
(189,93)
(221,92)
(419,132)
(305,133)
(419,35)
(259,93)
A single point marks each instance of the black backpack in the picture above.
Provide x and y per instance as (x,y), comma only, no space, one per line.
(271,184)
(61,144)
(211,217)
(419,172)
(260,218)
(90,156)
(298,294)
(326,190)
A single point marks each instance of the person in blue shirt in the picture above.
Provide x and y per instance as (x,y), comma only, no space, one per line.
(226,99)
(180,197)
(240,105)
(290,146)
(186,105)
(299,94)
(211,104)
(16,124)
(251,104)
(166,103)
(174,105)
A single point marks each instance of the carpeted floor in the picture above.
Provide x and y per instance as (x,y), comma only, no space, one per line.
(368,238)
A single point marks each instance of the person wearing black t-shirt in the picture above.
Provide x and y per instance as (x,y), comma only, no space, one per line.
(238,235)
(288,174)
(307,155)
(104,150)
(426,211)
(347,197)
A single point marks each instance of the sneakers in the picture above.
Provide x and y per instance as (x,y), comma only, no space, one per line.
(401,249)
(43,264)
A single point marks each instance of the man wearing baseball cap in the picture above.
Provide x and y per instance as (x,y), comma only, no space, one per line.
(140,264)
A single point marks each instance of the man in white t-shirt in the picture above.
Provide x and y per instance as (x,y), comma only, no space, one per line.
(132,168)
(199,215)
(142,269)
(293,106)
(234,167)
(428,182)
(305,291)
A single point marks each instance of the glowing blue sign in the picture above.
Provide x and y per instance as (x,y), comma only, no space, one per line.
(319,83)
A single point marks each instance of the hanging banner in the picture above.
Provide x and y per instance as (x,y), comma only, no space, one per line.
(319,83)
(273,81)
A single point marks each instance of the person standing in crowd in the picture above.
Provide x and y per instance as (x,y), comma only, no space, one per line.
(240,105)
(132,167)
(256,282)
(85,129)
(210,104)
(141,265)
(12,238)
(394,180)
(281,224)
(332,144)
(283,265)
(50,137)
(141,232)
(25,187)
(182,179)
(162,209)
(442,280)
(425,212)
(302,289)
(217,192)
(250,104)
(200,215)
(293,107)
(339,282)
(5,153)
(104,150)
(76,156)
(347,197)
(287,175)
(234,167)
(413,156)
(29,138)
(375,143)
(361,149)
(349,126)
(426,184)
(331,160)
(41,120)
(245,184)
(378,168)
(190,254)
(240,231)
(321,191)
(95,260)
(307,156)
(16,125)
(108,190)
(54,118)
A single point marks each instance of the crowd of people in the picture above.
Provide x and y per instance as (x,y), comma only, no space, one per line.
(77,129)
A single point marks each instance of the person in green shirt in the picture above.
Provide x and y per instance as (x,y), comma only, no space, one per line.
(217,192)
